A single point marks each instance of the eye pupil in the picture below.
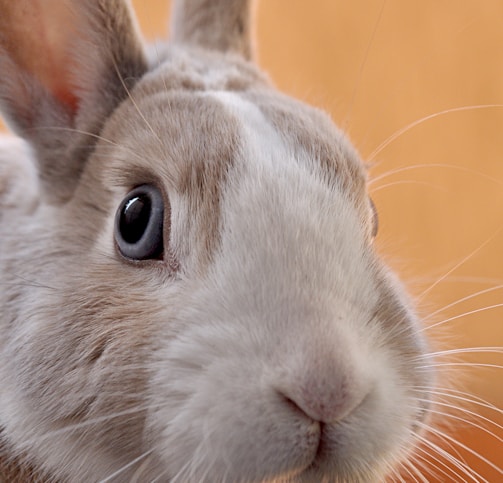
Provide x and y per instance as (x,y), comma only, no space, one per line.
(134,218)
(139,224)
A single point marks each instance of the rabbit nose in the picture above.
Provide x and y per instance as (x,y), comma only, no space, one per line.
(324,392)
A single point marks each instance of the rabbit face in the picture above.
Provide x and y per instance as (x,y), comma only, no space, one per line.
(206,304)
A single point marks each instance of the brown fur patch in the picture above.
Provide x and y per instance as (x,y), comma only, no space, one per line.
(15,470)
(313,131)
(187,148)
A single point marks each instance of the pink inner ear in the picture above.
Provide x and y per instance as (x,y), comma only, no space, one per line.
(38,35)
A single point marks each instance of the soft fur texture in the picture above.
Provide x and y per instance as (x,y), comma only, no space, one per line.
(269,343)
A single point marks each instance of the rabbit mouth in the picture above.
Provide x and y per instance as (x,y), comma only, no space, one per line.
(346,451)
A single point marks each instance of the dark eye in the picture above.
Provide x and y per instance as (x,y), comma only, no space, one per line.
(375,219)
(139,224)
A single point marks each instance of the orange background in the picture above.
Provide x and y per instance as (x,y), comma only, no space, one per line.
(377,66)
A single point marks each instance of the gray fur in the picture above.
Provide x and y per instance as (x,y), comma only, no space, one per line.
(219,25)
(270,342)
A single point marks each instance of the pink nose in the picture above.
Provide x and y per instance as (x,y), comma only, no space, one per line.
(325,391)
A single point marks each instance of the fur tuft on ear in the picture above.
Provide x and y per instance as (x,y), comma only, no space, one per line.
(65,64)
(222,25)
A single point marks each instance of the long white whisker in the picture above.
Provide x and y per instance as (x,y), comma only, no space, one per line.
(395,183)
(439,365)
(158,478)
(90,422)
(362,66)
(412,125)
(464,299)
(29,283)
(413,472)
(467,421)
(466,448)
(179,476)
(98,137)
(459,465)
(95,136)
(126,467)
(463,350)
(393,472)
(438,462)
(460,263)
(138,110)
(459,316)
(414,167)
(463,396)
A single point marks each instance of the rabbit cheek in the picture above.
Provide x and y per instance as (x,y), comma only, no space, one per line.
(88,404)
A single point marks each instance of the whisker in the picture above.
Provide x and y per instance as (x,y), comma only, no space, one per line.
(464,299)
(460,395)
(29,283)
(126,467)
(395,475)
(158,478)
(95,136)
(180,475)
(479,280)
(461,279)
(465,447)
(459,316)
(457,364)
(413,124)
(460,263)
(91,422)
(438,461)
(98,137)
(467,421)
(133,100)
(463,350)
(459,465)
(359,77)
(414,167)
(405,181)
(455,459)
(413,472)
(393,472)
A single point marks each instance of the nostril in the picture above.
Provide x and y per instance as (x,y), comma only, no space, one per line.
(322,403)
(293,406)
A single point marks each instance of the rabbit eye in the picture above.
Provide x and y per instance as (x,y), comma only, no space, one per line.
(375,219)
(139,224)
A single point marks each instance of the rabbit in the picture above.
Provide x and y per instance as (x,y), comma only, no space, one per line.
(189,286)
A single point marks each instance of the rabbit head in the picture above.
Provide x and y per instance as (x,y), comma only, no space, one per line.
(189,289)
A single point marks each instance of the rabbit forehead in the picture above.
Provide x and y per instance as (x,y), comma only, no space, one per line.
(290,194)
(305,134)
(281,209)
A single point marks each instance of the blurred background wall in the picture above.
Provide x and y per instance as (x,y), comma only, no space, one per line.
(380,67)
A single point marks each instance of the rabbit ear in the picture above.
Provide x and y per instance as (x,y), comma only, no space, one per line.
(222,25)
(65,65)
